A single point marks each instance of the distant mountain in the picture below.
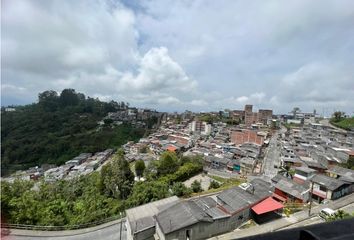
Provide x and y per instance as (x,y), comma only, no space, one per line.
(57,128)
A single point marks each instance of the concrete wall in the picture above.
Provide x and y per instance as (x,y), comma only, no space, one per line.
(129,230)
(147,234)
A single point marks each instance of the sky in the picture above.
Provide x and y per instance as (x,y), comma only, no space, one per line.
(173,55)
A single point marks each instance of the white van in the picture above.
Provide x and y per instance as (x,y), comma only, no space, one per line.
(326,212)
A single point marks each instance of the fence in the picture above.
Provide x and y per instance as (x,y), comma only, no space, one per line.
(61,228)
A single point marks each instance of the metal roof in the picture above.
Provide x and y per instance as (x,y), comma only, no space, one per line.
(267,205)
(291,187)
(181,215)
(344,173)
(141,217)
(328,182)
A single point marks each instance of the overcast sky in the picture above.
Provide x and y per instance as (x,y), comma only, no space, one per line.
(177,55)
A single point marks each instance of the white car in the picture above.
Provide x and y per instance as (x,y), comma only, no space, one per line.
(326,212)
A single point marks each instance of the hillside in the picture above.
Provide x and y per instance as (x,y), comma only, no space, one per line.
(344,123)
(58,128)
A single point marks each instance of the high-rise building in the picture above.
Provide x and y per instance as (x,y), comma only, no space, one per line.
(200,127)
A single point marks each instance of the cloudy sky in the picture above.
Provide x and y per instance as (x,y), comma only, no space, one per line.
(177,55)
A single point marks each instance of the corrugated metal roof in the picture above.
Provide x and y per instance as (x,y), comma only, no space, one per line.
(142,216)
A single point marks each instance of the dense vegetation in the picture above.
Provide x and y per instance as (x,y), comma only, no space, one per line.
(58,128)
(340,121)
(96,196)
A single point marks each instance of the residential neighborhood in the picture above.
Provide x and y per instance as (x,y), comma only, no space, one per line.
(283,168)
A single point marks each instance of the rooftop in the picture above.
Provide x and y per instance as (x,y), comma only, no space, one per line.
(141,217)
(328,182)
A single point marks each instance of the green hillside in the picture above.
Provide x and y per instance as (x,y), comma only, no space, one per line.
(345,123)
(58,128)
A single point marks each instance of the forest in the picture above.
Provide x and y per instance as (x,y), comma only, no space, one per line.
(57,128)
(99,195)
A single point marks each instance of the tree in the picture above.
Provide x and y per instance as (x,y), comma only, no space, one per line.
(286,171)
(338,115)
(295,111)
(107,121)
(340,214)
(168,163)
(117,178)
(196,186)
(139,168)
(68,97)
(349,164)
(179,189)
(48,100)
(145,192)
(214,185)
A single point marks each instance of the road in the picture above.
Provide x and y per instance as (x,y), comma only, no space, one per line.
(316,219)
(271,158)
(107,231)
(300,218)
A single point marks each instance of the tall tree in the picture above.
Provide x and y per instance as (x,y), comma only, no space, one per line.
(68,97)
(295,111)
(117,178)
(48,100)
(139,168)
(338,115)
(168,163)
(196,186)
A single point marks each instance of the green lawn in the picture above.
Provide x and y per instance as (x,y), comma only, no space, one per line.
(345,123)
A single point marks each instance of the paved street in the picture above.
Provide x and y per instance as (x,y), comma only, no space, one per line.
(347,201)
(316,219)
(110,232)
(271,158)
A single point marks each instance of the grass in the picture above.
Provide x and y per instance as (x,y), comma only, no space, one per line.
(345,123)
(225,183)
(291,125)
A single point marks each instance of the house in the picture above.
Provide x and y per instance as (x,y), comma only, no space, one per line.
(246,136)
(247,165)
(215,162)
(206,217)
(194,219)
(325,187)
(303,174)
(140,220)
(234,165)
(287,190)
(341,173)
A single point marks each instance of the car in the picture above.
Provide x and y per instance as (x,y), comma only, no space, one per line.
(326,212)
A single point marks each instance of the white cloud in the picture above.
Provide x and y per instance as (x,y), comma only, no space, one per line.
(157,71)
(176,55)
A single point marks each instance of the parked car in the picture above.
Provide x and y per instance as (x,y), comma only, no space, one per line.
(326,212)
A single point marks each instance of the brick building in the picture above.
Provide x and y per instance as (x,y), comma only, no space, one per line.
(246,136)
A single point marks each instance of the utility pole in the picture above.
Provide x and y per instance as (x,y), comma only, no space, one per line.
(310,198)
(120,230)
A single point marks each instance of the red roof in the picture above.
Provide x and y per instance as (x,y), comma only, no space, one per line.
(267,205)
(171,148)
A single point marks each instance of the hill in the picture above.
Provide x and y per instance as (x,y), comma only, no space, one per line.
(344,123)
(58,128)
